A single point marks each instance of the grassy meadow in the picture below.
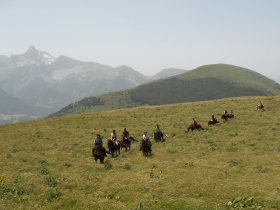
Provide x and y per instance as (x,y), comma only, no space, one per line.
(48,165)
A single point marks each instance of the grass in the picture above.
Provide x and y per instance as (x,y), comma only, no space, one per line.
(53,168)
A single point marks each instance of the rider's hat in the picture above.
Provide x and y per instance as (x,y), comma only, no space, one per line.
(145,131)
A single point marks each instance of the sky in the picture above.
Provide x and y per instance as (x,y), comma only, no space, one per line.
(147,35)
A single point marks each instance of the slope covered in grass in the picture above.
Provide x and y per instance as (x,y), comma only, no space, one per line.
(238,76)
(204,83)
(48,162)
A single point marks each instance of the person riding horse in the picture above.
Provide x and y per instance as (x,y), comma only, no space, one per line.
(146,139)
(125,134)
(212,118)
(261,105)
(195,123)
(113,137)
(98,140)
(158,131)
(225,113)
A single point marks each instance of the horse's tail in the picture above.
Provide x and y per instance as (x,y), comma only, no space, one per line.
(132,139)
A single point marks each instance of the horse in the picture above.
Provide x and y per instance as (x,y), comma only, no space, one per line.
(192,127)
(158,136)
(145,148)
(225,117)
(231,116)
(125,142)
(98,153)
(213,122)
(260,107)
(113,147)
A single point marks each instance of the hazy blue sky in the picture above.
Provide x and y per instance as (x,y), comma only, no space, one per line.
(147,35)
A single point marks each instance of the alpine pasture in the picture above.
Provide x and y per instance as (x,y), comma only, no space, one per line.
(47,164)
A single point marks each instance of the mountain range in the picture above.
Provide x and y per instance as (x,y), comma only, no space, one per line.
(46,84)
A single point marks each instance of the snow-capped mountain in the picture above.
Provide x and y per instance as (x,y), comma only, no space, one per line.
(30,57)
(48,83)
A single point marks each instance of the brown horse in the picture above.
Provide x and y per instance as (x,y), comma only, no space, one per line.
(98,153)
(125,142)
(158,136)
(260,107)
(145,148)
(224,117)
(231,116)
(192,127)
(213,122)
(113,147)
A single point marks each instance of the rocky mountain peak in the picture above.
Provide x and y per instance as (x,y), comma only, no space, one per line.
(32,52)
(32,57)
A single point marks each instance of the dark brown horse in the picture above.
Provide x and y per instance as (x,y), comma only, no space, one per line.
(98,153)
(213,122)
(231,116)
(125,142)
(260,107)
(113,147)
(158,136)
(193,127)
(145,148)
(224,117)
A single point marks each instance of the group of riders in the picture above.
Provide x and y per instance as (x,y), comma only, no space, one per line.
(145,138)
(124,136)
(113,138)
(213,119)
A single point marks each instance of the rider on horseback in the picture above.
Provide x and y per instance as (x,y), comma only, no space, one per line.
(195,123)
(212,118)
(225,113)
(231,112)
(146,138)
(98,140)
(113,137)
(126,134)
(158,130)
(261,105)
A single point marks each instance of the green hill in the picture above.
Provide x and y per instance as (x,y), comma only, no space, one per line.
(204,83)
(48,165)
